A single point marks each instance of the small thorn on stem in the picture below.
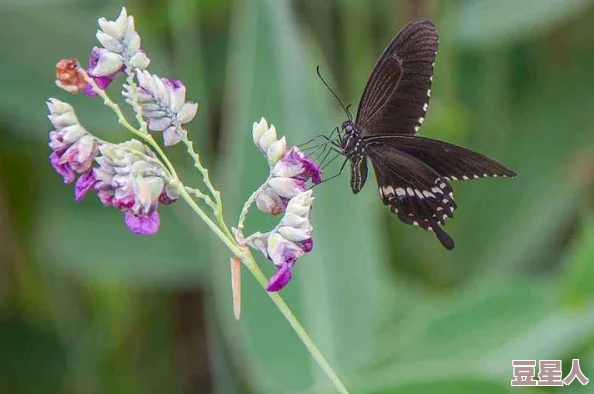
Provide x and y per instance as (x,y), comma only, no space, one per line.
(236,286)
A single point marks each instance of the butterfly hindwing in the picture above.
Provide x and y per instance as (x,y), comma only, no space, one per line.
(413,191)
(451,161)
(396,96)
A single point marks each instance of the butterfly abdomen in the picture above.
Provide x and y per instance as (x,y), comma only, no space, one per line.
(358,173)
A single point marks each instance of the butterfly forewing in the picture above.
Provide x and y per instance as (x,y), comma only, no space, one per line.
(396,96)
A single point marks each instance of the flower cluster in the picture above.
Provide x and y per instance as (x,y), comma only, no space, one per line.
(290,170)
(163,104)
(160,101)
(288,241)
(120,50)
(127,176)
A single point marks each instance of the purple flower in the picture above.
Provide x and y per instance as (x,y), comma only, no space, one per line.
(143,224)
(288,241)
(288,178)
(295,164)
(73,148)
(163,104)
(102,81)
(290,169)
(85,183)
(281,278)
(130,179)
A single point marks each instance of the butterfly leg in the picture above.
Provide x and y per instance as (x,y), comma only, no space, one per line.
(338,154)
(329,139)
(335,175)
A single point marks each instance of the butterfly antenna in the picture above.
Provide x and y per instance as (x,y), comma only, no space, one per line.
(346,109)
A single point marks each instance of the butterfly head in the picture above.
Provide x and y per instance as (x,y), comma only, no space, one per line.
(351,141)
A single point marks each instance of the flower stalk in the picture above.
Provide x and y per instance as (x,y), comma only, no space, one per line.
(137,176)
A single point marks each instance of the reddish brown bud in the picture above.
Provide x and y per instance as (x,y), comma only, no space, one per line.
(69,76)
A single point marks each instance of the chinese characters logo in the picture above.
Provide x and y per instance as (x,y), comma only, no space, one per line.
(549,373)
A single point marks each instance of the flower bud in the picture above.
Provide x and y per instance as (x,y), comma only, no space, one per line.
(276,151)
(269,201)
(258,131)
(268,138)
(69,76)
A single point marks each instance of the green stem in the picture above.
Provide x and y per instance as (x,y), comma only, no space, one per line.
(248,204)
(227,240)
(133,88)
(198,164)
(249,262)
(206,179)
(203,197)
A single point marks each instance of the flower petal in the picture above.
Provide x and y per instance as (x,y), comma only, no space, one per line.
(258,130)
(62,169)
(276,151)
(107,63)
(84,183)
(268,201)
(295,234)
(140,60)
(143,225)
(268,138)
(287,187)
(281,250)
(280,279)
(187,112)
(109,42)
(172,136)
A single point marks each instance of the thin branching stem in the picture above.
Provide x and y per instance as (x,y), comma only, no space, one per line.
(207,200)
(220,229)
(133,88)
(246,207)
(198,164)
(206,179)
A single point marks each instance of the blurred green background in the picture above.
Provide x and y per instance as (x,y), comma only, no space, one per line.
(87,307)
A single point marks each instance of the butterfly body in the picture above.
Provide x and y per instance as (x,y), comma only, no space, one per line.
(412,172)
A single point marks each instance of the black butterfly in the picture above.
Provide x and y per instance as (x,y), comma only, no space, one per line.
(413,173)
